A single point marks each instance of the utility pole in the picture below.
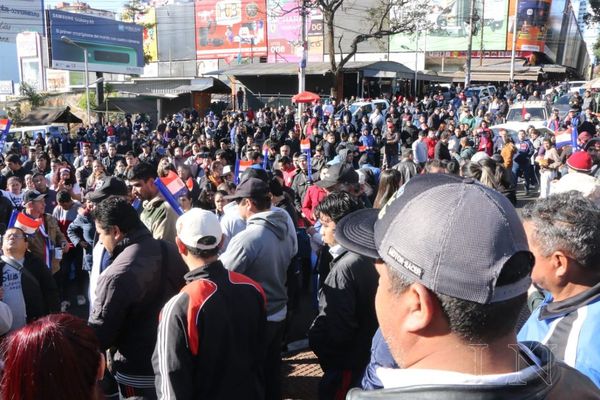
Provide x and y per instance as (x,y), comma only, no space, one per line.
(481,26)
(470,48)
(304,59)
(514,44)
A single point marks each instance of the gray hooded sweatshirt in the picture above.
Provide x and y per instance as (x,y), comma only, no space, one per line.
(263,252)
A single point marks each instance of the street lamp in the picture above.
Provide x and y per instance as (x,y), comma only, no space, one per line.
(85,68)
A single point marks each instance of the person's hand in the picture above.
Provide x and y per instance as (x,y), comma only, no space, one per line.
(65,247)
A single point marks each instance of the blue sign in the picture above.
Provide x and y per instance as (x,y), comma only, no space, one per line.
(111,46)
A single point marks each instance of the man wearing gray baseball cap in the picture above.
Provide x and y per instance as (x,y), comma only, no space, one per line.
(454,269)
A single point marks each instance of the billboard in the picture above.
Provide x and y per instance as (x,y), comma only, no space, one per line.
(532,24)
(449,22)
(18,16)
(284,24)
(229,28)
(146,18)
(112,46)
(175,27)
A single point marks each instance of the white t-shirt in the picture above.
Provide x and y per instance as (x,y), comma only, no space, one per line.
(13,292)
(397,377)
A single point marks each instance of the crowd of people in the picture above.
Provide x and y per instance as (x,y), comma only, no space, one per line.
(430,284)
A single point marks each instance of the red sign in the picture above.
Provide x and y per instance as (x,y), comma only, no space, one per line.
(230,28)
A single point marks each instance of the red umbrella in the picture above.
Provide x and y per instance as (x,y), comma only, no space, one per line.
(306,97)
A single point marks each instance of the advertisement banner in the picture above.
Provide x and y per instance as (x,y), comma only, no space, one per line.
(226,28)
(532,21)
(449,28)
(285,32)
(18,16)
(112,46)
(148,21)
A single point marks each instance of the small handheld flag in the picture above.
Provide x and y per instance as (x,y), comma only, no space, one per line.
(172,187)
(265,157)
(305,144)
(574,134)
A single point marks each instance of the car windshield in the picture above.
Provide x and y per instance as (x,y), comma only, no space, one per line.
(353,108)
(516,114)
(471,92)
(563,100)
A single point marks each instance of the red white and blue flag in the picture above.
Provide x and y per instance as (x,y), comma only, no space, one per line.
(26,223)
(563,139)
(4,128)
(305,144)
(171,187)
(244,165)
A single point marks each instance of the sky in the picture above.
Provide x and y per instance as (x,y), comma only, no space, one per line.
(111,5)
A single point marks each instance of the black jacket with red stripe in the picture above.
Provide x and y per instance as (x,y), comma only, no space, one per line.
(210,338)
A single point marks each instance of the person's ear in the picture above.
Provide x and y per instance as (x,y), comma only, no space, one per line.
(420,303)
(560,264)
(180,246)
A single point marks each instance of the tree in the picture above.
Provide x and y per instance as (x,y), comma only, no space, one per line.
(31,94)
(597,49)
(133,11)
(381,20)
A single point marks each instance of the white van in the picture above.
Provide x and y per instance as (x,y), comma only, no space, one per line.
(30,133)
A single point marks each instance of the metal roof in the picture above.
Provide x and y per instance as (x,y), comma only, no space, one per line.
(382,69)
(172,87)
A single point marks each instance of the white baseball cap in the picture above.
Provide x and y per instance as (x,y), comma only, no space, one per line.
(200,229)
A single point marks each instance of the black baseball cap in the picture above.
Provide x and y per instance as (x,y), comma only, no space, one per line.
(112,186)
(33,195)
(338,173)
(250,187)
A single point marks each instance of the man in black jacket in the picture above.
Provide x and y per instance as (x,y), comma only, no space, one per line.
(143,274)
(341,334)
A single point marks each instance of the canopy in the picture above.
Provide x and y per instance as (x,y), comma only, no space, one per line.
(306,97)
(50,115)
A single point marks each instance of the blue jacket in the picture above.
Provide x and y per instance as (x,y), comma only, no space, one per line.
(380,357)
(570,328)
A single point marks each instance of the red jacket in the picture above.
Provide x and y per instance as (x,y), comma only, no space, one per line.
(430,142)
(314,195)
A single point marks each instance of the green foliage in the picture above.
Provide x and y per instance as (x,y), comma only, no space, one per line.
(597,49)
(31,94)
(92,99)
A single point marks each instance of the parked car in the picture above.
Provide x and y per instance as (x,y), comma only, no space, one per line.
(368,106)
(484,93)
(526,113)
(513,130)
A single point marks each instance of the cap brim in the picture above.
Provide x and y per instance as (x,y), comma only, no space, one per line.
(96,196)
(325,184)
(355,232)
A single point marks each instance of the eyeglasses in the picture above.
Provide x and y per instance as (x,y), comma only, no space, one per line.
(14,236)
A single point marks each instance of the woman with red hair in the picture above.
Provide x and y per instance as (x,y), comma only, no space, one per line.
(56,357)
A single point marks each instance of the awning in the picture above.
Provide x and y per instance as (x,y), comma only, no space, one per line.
(50,115)
(127,105)
(370,69)
(172,87)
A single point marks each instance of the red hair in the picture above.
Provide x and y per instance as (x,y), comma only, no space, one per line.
(54,358)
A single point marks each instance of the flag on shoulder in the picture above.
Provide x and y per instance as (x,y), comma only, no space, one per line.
(26,223)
